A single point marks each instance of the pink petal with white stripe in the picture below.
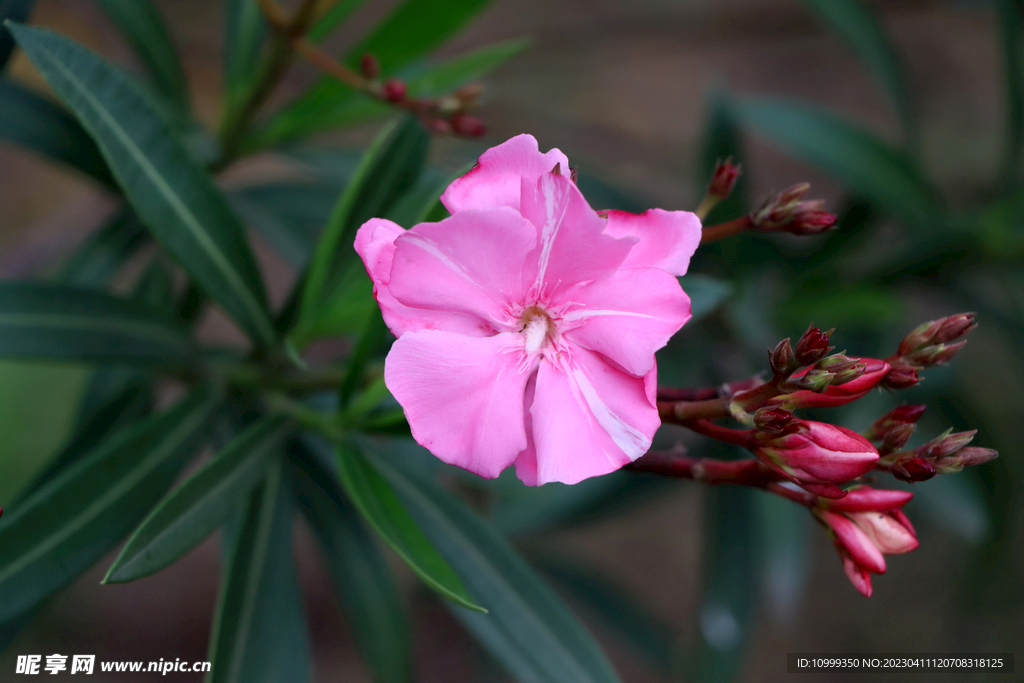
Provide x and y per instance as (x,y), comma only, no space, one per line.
(463,396)
(589,418)
(628,316)
(375,243)
(667,238)
(495,180)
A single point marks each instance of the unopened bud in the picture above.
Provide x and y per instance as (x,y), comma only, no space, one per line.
(844,368)
(810,219)
(955,326)
(936,332)
(815,380)
(901,377)
(781,358)
(945,445)
(394,90)
(913,470)
(772,420)
(965,457)
(369,66)
(723,180)
(467,125)
(937,354)
(812,346)
(896,438)
(901,415)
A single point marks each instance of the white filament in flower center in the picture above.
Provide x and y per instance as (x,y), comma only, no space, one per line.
(536,328)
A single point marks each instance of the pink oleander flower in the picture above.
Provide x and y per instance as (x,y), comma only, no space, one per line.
(865,525)
(527,321)
(836,394)
(816,455)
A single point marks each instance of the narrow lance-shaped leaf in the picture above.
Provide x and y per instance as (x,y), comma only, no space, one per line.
(175,198)
(388,168)
(359,571)
(11,10)
(528,628)
(862,161)
(97,260)
(54,321)
(860,28)
(244,32)
(372,495)
(199,506)
(34,122)
(141,25)
(259,631)
(68,524)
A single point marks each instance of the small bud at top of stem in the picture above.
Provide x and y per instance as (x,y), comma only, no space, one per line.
(369,66)
(781,359)
(896,438)
(772,420)
(945,444)
(901,376)
(913,469)
(723,180)
(812,346)
(393,90)
(901,415)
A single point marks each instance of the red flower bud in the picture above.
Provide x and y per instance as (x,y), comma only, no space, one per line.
(812,346)
(867,374)
(723,180)
(394,90)
(945,445)
(896,438)
(901,377)
(369,66)
(810,219)
(954,327)
(901,415)
(467,125)
(863,533)
(816,453)
(929,343)
(781,358)
(965,457)
(913,469)
(772,420)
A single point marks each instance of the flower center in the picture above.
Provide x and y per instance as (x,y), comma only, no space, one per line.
(536,327)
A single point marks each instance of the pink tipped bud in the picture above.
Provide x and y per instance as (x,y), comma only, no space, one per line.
(965,457)
(866,499)
(812,346)
(954,327)
(781,358)
(854,379)
(901,377)
(918,346)
(901,415)
(814,380)
(772,420)
(913,469)
(937,354)
(945,445)
(467,125)
(787,211)
(369,66)
(810,221)
(815,452)
(393,90)
(723,180)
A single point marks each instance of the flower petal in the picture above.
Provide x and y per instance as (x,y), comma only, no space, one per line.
(526,462)
(667,238)
(855,542)
(628,316)
(375,243)
(470,263)
(859,577)
(571,248)
(495,180)
(589,418)
(888,534)
(463,396)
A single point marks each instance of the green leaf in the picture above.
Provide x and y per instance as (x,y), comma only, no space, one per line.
(859,27)
(259,632)
(140,24)
(706,294)
(34,122)
(528,628)
(378,504)
(370,340)
(97,260)
(199,506)
(11,10)
(1011,36)
(61,529)
(54,321)
(244,33)
(388,168)
(289,216)
(174,197)
(860,160)
(620,614)
(331,104)
(359,571)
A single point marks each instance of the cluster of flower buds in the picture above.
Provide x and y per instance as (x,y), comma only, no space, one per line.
(444,115)
(788,211)
(945,454)
(866,525)
(932,343)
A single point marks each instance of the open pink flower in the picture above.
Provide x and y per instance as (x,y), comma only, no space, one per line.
(527,322)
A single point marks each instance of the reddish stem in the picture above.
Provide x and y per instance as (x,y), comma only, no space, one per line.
(712,233)
(737,437)
(748,472)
